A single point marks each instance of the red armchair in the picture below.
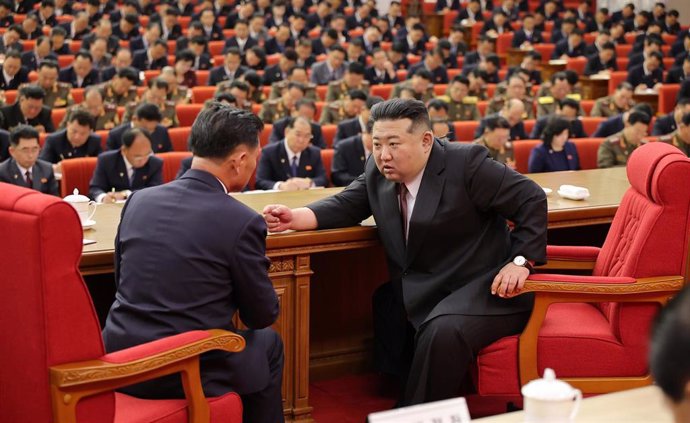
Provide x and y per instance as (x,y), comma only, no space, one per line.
(593,330)
(54,368)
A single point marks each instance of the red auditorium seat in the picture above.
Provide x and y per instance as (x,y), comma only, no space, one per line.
(616,79)
(590,123)
(594,330)
(546,50)
(587,149)
(202,93)
(577,64)
(201,77)
(215,47)
(382,90)
(327,159)
(77,94)
(56,115)
(522,150)
(529,125)
(587,106)
(464,130)
(64,60)
(171,163)
(503,44)
(104,138)
(667,98)
(77,173)
(180,138)
(328,133)
(321,91)
(186,113)
(265,134)
(151,74)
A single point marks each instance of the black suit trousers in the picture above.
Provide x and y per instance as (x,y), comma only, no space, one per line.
(433,362)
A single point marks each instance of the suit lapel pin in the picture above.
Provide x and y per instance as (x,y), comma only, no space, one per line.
(145,177)
(44,180)
(16,176)
(122,174)
(570,156)
(361,158)
(308,167)
(282,160)
(160,147)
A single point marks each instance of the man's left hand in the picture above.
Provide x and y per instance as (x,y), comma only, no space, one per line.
(509,281)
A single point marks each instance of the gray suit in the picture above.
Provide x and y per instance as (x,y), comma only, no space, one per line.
(42,176)
(321,75)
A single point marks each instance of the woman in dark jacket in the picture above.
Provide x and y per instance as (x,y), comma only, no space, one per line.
(556,153)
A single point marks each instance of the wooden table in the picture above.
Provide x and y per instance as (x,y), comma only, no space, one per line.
(551,67)
(434,23)
(346,262)
(515,56)
(649,97)
(641,405)
(594,87)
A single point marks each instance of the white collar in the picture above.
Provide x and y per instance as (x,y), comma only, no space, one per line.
(413,186)
(8,78)
(291,153)
(128,165)
(23,170)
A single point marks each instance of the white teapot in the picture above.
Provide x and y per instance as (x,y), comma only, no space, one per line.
(550,400)
(83,205)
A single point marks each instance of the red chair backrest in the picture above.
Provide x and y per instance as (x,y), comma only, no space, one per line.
(587,106)
(522,150)
(667,97)
(180,138)
(77,173)
(382,90)
(186,113)
(587,149)
(328,133)
(202,93)
(47,316)
(503,43)
(56,115)
(171,163)
(464,130)
(577,64)
(616,79)
(265,134)
(590,123)
(327,159)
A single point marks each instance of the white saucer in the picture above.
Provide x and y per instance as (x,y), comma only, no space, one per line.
(572,197)
(547,191)
(88,224)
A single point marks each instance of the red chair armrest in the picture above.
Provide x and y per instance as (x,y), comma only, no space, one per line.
(579,279)
(143,351)
(567,252)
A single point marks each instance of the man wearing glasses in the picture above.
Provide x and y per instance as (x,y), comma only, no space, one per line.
(292,164)
(24,168)
(28,110)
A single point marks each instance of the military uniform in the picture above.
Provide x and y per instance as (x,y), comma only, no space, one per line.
(338,90)
(606,107)
(57,97)
(614,151)
(497,103)
(108,119)
(547,104)
(397,89)
(182,95)
(505,155)
(168,112)
(334,113)
(480,94)
(277,90)
(110,96)
(274,110)
(674,139)
(462,110)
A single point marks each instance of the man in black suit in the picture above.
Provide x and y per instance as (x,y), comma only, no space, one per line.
(381,70)
(350,157)
(573,46)
(615,124)
(305,108)
(4,145)
(77,140)
(414,41)
(600,22)
(568,109)
(527,35)
(170,29)
(433,62)
(281,41)
(350,127)
(12,73)
(455,266)
(11,39)
(485,47)
(647,74)
(146,116)
(231,69)
(678,74)
(80,73)
(280,70)
(360,19)
(321,45)
(42,51)
(155,57)
(78,28)
(202,58)
(603,60)
(650,45)
(24,168)
(229,276)
(127,28)
(212,31)
(29,110)
(45,13)
(132,167)
(241,40)
(321,17)
(668,123)
(143,42)
(292,164)
(104,30)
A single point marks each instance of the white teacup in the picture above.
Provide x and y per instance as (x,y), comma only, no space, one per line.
(550,400)
(83,205)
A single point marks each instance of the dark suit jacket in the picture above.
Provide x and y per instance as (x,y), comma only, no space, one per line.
(20,78)
(471,61)
(348,161)
(42,176)
(58,148)
(517,132)
(12,116)
(370,75)
(636,76)
(160,140)
(576,129)
(273,47)
(675,76)
(141,61)
(185,165)
(137,43)
(278,132)
(664,125)
(272,74)
(218,74)
(562,48)
(451,4)
(274,166)
(232,42)
(520,37)
(162,292)
(458,240)
(635,59)
(543,159)
(440,74)
(595,66)
(30,62)
(610,126)
(4,145)
(346,129)
(69,75)
(113,43)
(111,172)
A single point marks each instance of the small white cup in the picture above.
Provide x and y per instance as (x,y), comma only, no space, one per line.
(83,205)
(550,400)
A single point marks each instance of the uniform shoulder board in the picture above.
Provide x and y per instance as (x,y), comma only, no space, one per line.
(170,103)
(335,83)
(109,107)
(614,140)
(576,97)
(546,100)
(443,98)
(470,99)
(65,85)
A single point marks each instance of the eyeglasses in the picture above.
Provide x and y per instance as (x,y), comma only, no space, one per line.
(303,135)
(29,150)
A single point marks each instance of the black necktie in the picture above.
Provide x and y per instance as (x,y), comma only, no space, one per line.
(29,182)
(402,189)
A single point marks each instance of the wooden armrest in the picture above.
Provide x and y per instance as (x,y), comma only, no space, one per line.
(73,381)
(569,286)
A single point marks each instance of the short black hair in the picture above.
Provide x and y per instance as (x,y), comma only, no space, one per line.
(398,109)
(639,117)
(494,122)
(670,346)
(82,117)
(148,111)
(304,101)
(357,95)
(52,64)
(13,53)
(356,68)
(159,83)
(84,55)
(657,55)
(26,132)
(131,18)
(234,51)
(32,91)
(461,79)
(373,100)
(337,47)
(185,55)
(554,126)
(240,85)
(132,133)
(219,129)
(437,104)
(608,46)
(252,78)
(644,107)
(129,73)
(225,97)
(424,73)
(291,54)
(569,102)
(58,30)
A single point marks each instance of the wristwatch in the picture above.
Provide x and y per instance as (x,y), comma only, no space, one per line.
(522,262)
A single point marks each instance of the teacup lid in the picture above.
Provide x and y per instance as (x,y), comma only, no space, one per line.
(75,197)
(549,388)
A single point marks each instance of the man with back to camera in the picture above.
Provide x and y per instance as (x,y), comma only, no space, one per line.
(174,277)
(454,265)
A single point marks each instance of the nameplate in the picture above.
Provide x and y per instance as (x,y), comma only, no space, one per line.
(446,411)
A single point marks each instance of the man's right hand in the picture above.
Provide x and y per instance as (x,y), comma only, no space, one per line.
(112,197)
(278,217)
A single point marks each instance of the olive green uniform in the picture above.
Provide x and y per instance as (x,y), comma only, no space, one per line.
(182,95)
(58,97)
(606,107)
(462,110)
(505,155)
(397,89)
(338,90)
(108,119)
(119,100)
(277,90)
(674,139)
(547,104)
(273,110)
(614,151)
(334,113)
(168,112)
(497,103)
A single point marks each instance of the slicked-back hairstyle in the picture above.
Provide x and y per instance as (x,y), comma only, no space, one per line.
(554,126)
(219,129)
(32,91)
(148,111)
(129,73)
(132,133)
(644,107)
(22,132)
(494,122)
(82,117)
(293,121)
(639,117)
(373,100)
(670,347)
(398,109)
(52,64)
